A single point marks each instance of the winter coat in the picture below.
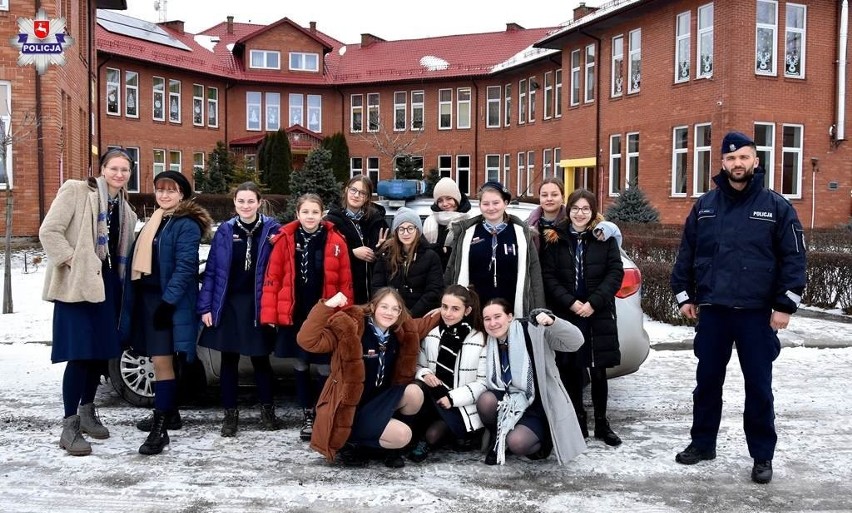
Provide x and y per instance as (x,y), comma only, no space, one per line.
(214,285)
(534,221)
(178,263)
(603,273)
(279,288)
(420,285)
(468,383)
(741,250)
(340,333)
(436,227)
(530,292)
(68,235)
(371,224)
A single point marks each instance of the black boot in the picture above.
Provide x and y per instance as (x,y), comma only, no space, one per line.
(605,433)
(583,420)
(158,438)
(491,455)
(173,422)
(352,456)
(393,458)
(231,421)
(268,420)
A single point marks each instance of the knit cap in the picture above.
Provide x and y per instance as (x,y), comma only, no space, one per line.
(447,187)
(406,215)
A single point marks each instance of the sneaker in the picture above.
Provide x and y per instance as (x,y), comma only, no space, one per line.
(420,452)
(173,421)
(692,455)
(72,439)
(230,422)
(308,425)
(352,456)
(762,471)
(90,422)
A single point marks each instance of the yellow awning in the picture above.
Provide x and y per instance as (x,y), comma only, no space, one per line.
(583,162)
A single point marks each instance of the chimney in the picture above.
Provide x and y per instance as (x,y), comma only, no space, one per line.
(230,24)
(176,25)
(369,39)
(512,26)
(313,26)
(583,10)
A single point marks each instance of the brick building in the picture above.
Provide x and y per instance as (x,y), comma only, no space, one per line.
(630,85)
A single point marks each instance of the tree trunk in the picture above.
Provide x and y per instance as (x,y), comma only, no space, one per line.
(7,267)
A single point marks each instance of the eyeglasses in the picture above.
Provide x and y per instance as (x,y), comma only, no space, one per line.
(357,192)
(166,192)
(584,210)
(122,170)
(402,230)
(388,308)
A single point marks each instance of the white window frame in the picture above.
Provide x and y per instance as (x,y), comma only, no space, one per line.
(589,95)
(175,164)
(616,162)
(557,93)
(493,100)
(634,61)
(632,159)
(507,104)
(558,170)
(213,107)
(445,166)
(158,161)
(418,109)
(374,171)
(522,101)
(445,108)
(522,169)
(575,78)
(272,111)
(548,95)
(355,110)
(113,89)
(197,105)
(704,39)
(174,98)
(680,155)
(374,119)
(700,183)
(768,162)
(492,167)
(4,5)
(400,111)
(265,56)
(531,99)
(617,67)
(6,120)
(766,52)
(314,112)
(682,41)
(793,32)
(158,91)
(463,173)
(530,173)
(254,105)
(546,163)
(463,106)
(295,109)
(304,61)
(131,93)
(796,152)
(356,166)
(507,169)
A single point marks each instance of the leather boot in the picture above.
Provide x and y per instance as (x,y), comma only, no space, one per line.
(268,420)
(393,458)
(173,422)
(229,424)
(605,433)
(352,456)
(158,438)
(307,425)
(583,420)
(90,423)
(72,439)
(491,455)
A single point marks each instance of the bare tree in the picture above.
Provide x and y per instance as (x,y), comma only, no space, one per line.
(393,144)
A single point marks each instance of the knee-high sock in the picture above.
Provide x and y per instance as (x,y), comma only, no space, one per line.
(165,392)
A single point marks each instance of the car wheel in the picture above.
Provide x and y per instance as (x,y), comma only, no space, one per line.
(132,376)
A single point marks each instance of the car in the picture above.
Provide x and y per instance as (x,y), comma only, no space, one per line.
(132,374)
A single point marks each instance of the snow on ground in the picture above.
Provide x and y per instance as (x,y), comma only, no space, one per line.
(261,471)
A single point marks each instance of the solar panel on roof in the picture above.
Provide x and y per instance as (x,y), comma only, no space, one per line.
(138,29)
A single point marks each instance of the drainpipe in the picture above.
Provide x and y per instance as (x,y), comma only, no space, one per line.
(475,123)
(39,113)
(97,106)
(598,93)
(840,130)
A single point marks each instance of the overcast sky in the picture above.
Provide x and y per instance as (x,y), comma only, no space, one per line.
(345,20)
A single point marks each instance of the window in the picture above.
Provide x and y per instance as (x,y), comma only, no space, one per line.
(632,177)
(131,94)
(463,107)
(590,73)
(534,85)
(492,168)
(373,120)
(174,101)
(264,59)
(273,111)
(400,109)
(508,105)
(213,107)
(252,110)
(704,53)
(4,5)
(682,47)
(198,164)
(530,173)
(548,95)
(445,109)
(315,112)
(507,169)
(159,162)
(575,77)
(356,166)
(159,99)
(417,98)
(492,119)
(680,159)
(174,161)
(250,162)
(617,66)
(794,41)
(300,61)
(546,163)
(522,102)
(557,94)
(615,172)
(634,64)
(791,164)
(764,140)
(356,113)
(702,164)
(296,112)
(558,170)
(445,166)
(766,37)
(463,173)
(522,171)
(113,97)
(197,104)
(373,169)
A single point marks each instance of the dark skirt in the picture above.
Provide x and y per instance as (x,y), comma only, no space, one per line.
(452,416)
(582,357)
(535,419)
(286,347)
(237,331)
(88,331)
(372,418)
(146,340)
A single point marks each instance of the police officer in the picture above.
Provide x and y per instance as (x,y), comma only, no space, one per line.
(740,271)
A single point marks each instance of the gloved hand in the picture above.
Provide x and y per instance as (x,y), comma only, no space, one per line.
(163,316)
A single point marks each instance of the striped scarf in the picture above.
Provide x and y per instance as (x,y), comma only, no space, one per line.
(126,233)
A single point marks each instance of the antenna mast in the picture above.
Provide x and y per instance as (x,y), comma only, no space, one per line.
(160,7)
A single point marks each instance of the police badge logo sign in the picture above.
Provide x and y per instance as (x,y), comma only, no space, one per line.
(42,41)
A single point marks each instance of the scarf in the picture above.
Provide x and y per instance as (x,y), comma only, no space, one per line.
(449,347)
(144,251)
(579,257)
(430,226)
(126,232)
(494,230)
(356,217)
(249,236)
(382,336)
(517,399)
(303,240)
